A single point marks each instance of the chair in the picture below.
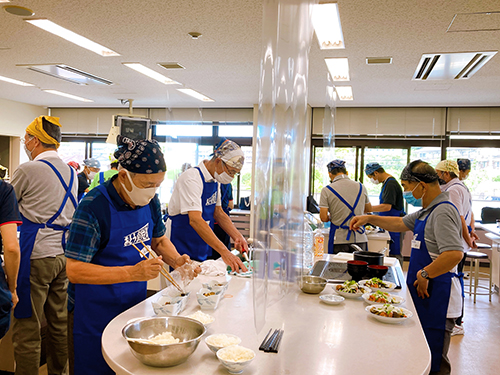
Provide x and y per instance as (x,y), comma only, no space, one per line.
(475,258)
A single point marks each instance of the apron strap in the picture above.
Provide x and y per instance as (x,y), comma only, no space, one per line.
(351,214)
(101,177)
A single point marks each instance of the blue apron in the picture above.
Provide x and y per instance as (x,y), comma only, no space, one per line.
(97,305)
(27,237)
(395,247)
(182,234)
(344,224)
(431,311)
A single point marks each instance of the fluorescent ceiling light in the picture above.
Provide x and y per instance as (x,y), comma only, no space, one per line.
(4,1)
(326,22)
(475,136)
(338,67)
(68,73)
(344,92)
(72,37)
(151,73)
(196,94)
(15,81)
(55,92)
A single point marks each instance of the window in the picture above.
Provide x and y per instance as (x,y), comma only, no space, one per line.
(484,177)
(431,155)
(184,129)
(235,130)
(102,152)
(72,151)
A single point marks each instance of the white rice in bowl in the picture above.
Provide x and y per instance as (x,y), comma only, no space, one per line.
(202,317)
(164,338)
(236,353)
(222,340)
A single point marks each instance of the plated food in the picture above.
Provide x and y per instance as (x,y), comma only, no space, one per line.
(351,289)
(382,297)
(378,284)
(388,313)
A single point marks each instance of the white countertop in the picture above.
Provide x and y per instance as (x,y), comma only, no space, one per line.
(318,338)
(492,228)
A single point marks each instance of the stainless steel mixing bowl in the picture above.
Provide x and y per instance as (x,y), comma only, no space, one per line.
(188,331)
(312,284)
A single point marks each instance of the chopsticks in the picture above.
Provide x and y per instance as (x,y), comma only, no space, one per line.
(271,344)
(163,271)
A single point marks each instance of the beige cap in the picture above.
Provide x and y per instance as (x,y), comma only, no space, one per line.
(448,166)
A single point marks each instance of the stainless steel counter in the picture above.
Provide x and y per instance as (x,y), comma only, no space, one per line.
(318,339)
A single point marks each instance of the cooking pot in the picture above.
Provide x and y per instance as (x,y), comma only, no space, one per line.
(369,257)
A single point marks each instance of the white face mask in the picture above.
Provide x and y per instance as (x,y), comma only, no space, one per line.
(91,175)
(28,152)
(139,196)
(374,181)
(223,178)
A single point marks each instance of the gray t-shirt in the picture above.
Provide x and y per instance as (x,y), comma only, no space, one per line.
(347,189)
(40,194)
(443,232)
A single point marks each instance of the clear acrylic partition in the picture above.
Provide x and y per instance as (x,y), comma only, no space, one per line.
(282,152)
(329,124)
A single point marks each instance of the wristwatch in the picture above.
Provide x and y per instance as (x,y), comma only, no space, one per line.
(424,274)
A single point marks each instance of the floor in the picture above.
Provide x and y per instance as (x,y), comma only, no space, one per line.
(478,351)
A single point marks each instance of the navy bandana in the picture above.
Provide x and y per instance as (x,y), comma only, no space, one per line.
(337,163)
(140,156)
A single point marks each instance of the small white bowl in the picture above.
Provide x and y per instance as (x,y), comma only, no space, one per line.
(331,299)
(208,302)
(215,348)
(215,285)
(234,367)
(205,324)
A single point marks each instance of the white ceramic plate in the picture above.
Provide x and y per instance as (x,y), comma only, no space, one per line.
(398,300)
(351,295)
(392,286)
(331,299)
(386,319)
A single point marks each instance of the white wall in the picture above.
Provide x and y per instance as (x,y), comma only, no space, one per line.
(15,116)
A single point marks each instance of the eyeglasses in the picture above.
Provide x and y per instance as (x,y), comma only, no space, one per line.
(231,172)
(23,141)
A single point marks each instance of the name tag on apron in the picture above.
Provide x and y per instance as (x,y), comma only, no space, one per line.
(415,244)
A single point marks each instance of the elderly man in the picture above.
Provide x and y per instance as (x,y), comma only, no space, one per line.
(339,203)
(46,192)
(105,269)
(460,196)
(9,220)
(436,250)
(391,203)
(196,204)
(91,167)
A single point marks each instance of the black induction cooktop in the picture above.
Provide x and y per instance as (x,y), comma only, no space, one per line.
(337,271)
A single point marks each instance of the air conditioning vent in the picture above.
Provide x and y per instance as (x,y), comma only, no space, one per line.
(171,65)
(440,66)
(378,60)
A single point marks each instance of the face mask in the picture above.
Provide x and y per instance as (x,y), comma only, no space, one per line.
(28,152)
(223,178)
(408,196)
(138,196)
(374,181)
(91,175)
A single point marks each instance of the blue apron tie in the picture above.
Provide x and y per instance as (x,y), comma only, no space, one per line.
(395,247)
(97,305)
(185,239)
(27,237)
(333,227)
(101,178)
(431,311)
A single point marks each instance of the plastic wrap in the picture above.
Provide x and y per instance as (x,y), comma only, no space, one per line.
(281,152)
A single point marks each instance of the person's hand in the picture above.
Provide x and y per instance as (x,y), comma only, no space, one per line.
(233,261)
(186,268)
(421,284)
(474,236)
(471,243)
(358,221)
(241,244)
(147,269)
(15,300)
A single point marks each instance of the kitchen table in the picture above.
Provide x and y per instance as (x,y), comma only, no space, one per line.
(318,339)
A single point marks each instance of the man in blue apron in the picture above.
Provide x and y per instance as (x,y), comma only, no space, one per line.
(435,286)
(226,192)
(9,220)
(460,196)
(46,190)
(196,204)
(339,203)
(106,272)
(391,203)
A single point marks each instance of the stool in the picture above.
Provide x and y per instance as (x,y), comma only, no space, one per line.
(475,275)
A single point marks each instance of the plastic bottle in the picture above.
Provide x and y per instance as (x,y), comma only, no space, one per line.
(319,244)
(308,246)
